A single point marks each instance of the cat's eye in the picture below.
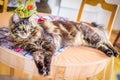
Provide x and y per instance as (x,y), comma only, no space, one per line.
(20,29)
(21,26)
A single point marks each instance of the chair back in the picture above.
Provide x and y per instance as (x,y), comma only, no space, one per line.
(105,6)
(4,3)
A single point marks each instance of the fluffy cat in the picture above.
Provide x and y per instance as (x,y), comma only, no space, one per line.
(43,39)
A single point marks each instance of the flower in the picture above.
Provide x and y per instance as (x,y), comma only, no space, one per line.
(19,50)
(40,20)
(25,8)
(30,7)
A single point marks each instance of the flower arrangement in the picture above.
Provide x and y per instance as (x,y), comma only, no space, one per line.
(26,8)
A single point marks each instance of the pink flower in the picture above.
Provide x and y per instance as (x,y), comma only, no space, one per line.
(19,50)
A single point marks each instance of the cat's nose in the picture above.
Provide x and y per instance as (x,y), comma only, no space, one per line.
(25,31)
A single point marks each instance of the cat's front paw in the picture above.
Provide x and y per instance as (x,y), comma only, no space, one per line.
(39,58)
(108,49)
(42,70)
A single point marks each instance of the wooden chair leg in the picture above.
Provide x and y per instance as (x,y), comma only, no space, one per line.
(92,78)
(5,3)
(59,75)
(11,72)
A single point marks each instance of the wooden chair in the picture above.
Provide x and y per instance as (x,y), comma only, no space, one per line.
(109,7)
(75,63)
(72,66)
(4,4)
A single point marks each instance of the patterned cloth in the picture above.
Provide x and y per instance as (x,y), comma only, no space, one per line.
(5,39)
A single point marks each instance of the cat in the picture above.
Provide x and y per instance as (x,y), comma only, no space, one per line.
(43,39)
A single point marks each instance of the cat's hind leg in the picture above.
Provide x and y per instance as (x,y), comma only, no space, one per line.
(94,39)
(107,48)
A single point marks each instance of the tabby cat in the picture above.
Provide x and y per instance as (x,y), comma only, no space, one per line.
(43,39)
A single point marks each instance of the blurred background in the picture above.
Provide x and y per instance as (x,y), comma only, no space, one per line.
(70,8)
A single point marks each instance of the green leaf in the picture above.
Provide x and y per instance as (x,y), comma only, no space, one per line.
(22,9)
(31,2)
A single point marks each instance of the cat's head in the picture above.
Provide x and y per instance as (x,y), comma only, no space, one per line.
(21,27)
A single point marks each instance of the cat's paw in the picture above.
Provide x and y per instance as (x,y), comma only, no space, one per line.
(42,70)
(39,58)
(108,49)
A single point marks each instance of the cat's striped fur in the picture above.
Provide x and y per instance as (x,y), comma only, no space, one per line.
(45,38)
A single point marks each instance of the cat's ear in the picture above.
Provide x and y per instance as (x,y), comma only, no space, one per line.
(15,18)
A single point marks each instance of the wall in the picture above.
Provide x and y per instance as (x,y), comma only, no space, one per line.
(67,8)
(117,21)
(54,5)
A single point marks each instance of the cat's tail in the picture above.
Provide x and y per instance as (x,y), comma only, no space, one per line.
(94,24)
